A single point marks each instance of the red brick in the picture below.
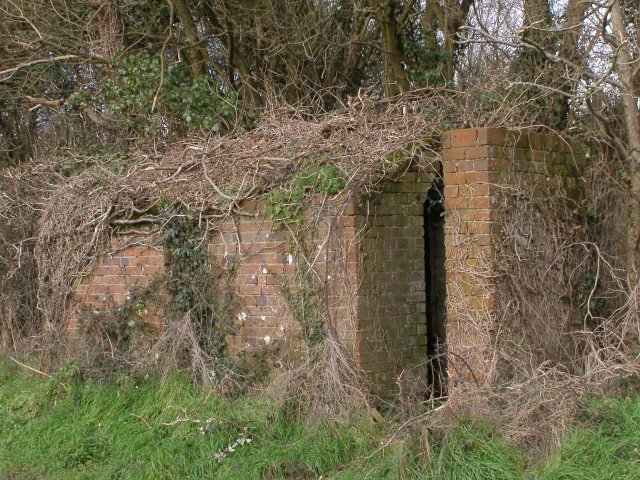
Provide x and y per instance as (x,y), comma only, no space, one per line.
(450,191)
(452,179)
(481,215)
(479,227)
(133,270)
(152,270)
(275,290)
(247,279)
(476,177)
(466,214)
(449,167)
(453,154)
(475,189)
(272,269)
(492,136)
(475,153)
(244,269)
(464,138)
(249,289)
(114,289)
(155,260)
(479,202)
(455,203)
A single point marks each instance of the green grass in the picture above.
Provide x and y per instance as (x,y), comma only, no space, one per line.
(606,446)
(98,431)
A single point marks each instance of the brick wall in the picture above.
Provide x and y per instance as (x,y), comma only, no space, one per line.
(267,262)
(115,277)
(392,298)
(262,260)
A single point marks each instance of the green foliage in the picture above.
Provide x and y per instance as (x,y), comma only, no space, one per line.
(475,451)
(114,431)
(129,92)
(323,179)
(425,56)
(285,205)
(120,323)
(305,300)
(193,286)
(196,284)
(605,446)
(185,258)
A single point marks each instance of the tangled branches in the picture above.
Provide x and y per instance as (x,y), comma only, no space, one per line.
(210,178)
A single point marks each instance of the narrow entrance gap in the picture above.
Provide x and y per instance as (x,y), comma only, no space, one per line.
(436,287)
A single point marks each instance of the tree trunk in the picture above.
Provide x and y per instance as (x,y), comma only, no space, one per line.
(197,59)
(629,100)
(395,79)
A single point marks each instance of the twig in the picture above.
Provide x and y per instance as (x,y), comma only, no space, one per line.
(141,418)
(39,372)
(402,427)
(164,47)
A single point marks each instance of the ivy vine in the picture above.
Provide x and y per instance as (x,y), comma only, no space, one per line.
(197,285)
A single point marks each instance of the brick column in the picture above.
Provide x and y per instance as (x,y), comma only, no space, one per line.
(480,165)
(470,173)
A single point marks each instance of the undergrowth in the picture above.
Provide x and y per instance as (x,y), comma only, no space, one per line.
(141,428)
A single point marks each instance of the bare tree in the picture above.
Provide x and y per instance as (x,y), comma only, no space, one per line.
(586,58)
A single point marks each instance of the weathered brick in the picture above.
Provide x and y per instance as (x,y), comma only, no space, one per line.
(491,136)
(464,138)
(454,155)
(479,202)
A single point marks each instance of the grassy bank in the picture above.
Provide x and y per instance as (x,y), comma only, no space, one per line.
(141,429)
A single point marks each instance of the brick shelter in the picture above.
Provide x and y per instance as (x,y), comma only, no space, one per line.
(396,267)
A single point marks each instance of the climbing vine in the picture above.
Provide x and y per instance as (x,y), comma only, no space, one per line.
(286,206)
(304,292)
(197,285)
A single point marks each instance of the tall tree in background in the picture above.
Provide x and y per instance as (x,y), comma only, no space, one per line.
(105,73)
(585,62)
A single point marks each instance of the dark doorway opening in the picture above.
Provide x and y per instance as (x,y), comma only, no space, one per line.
(436,286)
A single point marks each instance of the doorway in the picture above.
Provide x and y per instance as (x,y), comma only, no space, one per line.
(436,286)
